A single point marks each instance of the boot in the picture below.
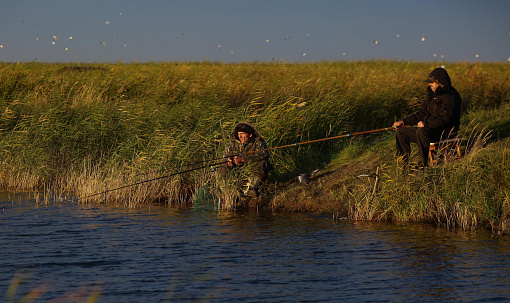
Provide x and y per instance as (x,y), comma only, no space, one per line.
(252,188)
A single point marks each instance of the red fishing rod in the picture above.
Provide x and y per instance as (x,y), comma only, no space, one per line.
(320,140)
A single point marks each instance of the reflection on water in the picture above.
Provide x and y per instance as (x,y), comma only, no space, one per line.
(155,254)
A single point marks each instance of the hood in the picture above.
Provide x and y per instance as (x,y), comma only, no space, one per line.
(440,76)
(246,127)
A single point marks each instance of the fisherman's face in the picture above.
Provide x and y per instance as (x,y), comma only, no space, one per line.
(433,86)
(244,137)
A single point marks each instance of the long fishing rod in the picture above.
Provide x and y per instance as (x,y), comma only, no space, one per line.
(153,179)
(293,144)
(241,154)
(318,140)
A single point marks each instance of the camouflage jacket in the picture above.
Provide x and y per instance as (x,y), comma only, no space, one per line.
(257,142)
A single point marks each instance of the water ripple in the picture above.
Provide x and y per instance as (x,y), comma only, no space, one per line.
(179,255)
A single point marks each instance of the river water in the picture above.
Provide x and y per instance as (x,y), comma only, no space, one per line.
(160,254)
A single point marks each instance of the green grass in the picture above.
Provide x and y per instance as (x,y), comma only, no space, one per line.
(81,132)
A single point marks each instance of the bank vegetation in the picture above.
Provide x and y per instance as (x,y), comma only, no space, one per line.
(71,131)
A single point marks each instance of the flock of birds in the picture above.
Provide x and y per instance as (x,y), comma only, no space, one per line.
(219,47)
(54,38)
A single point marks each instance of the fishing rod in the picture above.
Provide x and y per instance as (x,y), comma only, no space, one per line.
(293,144)
(241,154)
(318,140)
(153,179)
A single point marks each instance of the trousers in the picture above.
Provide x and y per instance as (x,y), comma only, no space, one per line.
(419,135)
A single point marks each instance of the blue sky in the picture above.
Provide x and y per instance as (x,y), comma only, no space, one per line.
(257,30)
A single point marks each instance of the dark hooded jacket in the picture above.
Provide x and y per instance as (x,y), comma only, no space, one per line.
(256,142)
(441,109)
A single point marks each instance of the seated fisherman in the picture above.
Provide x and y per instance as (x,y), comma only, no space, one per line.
(245,139)
(438,118)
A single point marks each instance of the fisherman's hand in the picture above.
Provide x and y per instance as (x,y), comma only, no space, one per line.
(229,162)
(238,160)
(398,124)
(421,124)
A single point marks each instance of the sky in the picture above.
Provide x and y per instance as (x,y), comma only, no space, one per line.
(100,31)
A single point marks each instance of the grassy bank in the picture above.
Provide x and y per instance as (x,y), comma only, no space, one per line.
(363,182)
(85,128)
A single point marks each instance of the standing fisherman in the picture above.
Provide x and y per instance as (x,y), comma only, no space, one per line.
(438,118)
(244,139)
